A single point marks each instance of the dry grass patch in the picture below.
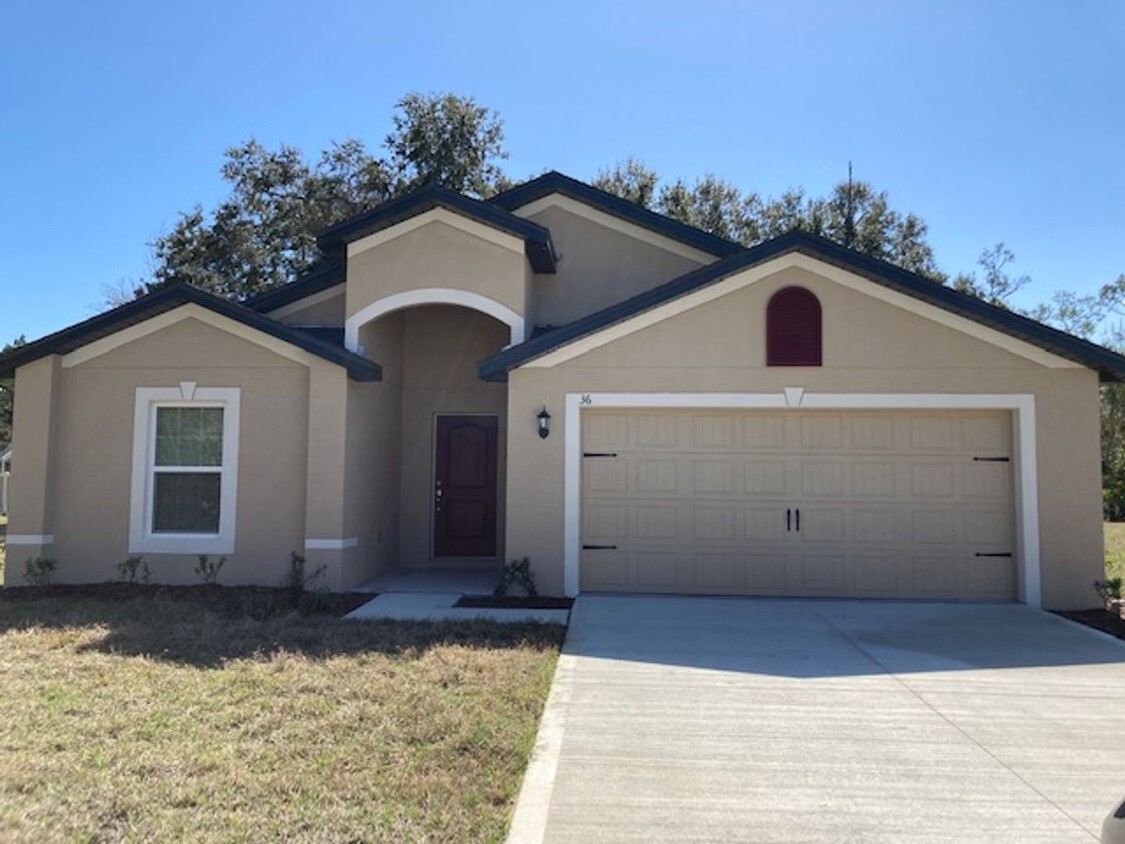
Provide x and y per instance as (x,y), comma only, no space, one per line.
(155,720)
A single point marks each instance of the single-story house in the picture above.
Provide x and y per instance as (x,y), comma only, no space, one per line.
(558,374)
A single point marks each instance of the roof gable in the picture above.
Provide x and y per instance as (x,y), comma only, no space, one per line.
(557,183)
(1110,365)
(172,297)
(537,240)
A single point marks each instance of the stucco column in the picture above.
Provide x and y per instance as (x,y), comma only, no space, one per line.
(327,541)
(30,518)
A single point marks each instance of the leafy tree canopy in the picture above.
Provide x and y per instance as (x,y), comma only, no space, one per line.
(854,214)
(264,233)
(6,394)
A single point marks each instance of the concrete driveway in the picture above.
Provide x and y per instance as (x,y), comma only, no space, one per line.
(712,719)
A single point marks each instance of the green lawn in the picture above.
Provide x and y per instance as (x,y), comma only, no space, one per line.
(1115,549)
(156,720)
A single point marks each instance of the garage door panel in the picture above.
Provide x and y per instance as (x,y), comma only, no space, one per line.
(766,573)
(605,476)
(824,574)
(933,479)
(763,432)
(820,479)
(607,521)
(892,504)
(715,524)
(713,477)
(764,478)
(764,524)
(606,570)
(874,527)
(874,480)
(718,572)
(657,476)
(605,431)
(987,481)
(821,524)
(657,569)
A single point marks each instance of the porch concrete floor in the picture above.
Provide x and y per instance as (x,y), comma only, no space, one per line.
(430,595)
(463,581)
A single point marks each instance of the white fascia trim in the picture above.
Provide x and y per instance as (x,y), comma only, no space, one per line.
(844,278)
(141,539)
(331,544)
(333,292)
(581,209)
(187,311)
(30,539)
(432,296)
(1022,406)
(438,215)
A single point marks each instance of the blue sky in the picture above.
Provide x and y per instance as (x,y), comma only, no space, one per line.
(994,121)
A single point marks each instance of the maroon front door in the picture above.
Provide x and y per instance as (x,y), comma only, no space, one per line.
(465,486)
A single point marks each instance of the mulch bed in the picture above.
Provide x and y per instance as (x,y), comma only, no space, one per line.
(514,602)
(227,601)
(1104,620)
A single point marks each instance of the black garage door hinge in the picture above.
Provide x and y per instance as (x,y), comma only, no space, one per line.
(983,554)
(992,459)
(599,547)
(599,454)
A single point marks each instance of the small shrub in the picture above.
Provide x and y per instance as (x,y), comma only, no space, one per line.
(1109,590)
(516,573)
(297,580)
(209,571)
(133,569)
(319,601)
(38,571)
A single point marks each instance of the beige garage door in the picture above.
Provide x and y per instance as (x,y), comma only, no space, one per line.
(817,503)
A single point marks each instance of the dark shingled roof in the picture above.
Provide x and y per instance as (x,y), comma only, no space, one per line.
(554,182)
(1110,365)
(169,298)
(537,240)
(319,279)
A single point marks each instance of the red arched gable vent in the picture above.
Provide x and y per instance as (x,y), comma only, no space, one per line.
(793,328)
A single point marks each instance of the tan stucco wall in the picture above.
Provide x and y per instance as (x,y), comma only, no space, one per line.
(598,267)
(91,474)
(441,346)
(329,311)
(436,255)
(869,347)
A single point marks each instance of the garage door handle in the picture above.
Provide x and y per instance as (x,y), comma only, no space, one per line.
(599,547)
(798,520)
(983,554)
(788,519)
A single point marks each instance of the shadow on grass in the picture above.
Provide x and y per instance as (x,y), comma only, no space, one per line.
(189,632)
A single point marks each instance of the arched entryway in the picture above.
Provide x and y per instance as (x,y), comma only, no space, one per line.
(437,433)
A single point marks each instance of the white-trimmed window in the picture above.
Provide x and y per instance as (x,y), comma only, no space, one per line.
(185,470)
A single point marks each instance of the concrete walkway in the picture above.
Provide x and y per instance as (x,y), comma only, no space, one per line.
(439,606)
(696,719)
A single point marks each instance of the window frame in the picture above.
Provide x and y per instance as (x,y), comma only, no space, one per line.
(142,538)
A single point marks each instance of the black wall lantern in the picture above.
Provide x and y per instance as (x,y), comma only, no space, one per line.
(544,423)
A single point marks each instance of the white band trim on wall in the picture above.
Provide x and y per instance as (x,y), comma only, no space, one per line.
(30,539)
(432,296)
(1022,406)
(331,544)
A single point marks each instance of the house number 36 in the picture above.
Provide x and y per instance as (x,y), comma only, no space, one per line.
(585,399)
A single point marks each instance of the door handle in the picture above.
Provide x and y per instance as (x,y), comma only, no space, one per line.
(788,519)
(798,520)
